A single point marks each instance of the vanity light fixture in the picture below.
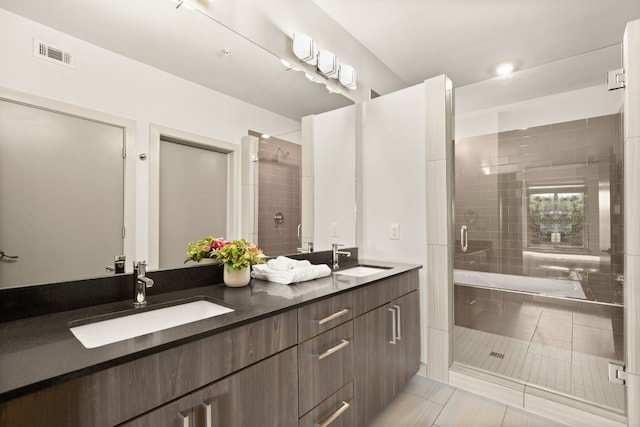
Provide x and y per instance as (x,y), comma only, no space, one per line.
(327,64)
(504,69)
(347,76)
(304,48)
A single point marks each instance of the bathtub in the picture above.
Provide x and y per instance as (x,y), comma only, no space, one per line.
(540,285)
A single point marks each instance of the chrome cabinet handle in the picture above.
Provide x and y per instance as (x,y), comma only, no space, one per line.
(464,238)
(299,231)
(330,351)
(398,322)
(208,416)
(329,318)
(184,420)
(393,324)
(331,418)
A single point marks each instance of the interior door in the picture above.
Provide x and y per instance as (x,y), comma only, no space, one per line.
(193,198)
(61,195)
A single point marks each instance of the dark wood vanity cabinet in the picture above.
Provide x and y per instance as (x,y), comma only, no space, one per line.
(337,361)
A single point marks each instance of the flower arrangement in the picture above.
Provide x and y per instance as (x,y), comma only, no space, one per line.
(204,248)
(239,254)
(236,255)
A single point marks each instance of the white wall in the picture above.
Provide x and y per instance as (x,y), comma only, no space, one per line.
(393,181)
(113,84)
(334,178)
(578,104)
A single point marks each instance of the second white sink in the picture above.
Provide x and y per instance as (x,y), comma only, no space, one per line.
(105,332)
(361,271)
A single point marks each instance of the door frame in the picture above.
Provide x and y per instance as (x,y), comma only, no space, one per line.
(234,200)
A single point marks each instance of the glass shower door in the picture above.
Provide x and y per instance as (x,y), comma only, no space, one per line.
(538,268)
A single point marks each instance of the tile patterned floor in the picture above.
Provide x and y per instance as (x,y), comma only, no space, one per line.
(562,345)
(582,375)
(425,403)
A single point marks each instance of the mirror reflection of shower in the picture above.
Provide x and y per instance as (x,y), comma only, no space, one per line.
(279,199)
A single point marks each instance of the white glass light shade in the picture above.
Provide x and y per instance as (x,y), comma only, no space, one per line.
(327,64)
(304,48)
(347,76)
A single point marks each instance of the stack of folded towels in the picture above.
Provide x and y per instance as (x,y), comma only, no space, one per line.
(285,271)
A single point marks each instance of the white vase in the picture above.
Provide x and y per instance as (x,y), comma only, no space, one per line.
(236,278)
(208,261)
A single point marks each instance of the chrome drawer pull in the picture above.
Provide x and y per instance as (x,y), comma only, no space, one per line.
(208,416)
(394,326)
(330,351)
(184,420)
(331,418)
(331,317)
(398,322)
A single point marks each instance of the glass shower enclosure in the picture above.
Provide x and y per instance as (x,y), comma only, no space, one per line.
(538,214)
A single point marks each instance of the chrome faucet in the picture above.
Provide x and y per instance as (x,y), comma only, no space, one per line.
(336,254)
(141,283)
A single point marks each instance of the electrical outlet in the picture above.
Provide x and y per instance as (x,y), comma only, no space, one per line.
(395,232)
(335,229)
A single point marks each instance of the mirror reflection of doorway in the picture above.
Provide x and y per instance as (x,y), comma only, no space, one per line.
(61,195)
(192,196)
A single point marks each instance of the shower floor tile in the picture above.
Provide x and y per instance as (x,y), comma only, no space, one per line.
(554,367)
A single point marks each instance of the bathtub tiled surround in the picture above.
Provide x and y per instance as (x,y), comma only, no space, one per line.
(497,174)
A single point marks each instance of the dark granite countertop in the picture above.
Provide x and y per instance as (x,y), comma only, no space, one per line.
(38,352)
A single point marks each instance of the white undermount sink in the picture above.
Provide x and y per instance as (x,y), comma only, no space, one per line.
(104,332)
(361,271)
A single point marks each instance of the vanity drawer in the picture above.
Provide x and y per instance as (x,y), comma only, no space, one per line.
(325,364)
(335,411)
(314,319)
(377,294)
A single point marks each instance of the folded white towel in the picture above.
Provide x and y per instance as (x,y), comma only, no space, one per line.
(290,291)
(300,274)
(282,263)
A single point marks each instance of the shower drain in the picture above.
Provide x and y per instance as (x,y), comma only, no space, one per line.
(498,355)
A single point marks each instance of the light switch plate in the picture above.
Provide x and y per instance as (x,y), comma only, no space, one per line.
(335,229)
(395,232)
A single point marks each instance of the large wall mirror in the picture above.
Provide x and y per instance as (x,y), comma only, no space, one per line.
(135,98)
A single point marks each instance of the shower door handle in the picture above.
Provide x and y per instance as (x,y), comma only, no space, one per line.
(464,238)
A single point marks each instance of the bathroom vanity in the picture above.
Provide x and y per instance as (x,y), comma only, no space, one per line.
(333,351)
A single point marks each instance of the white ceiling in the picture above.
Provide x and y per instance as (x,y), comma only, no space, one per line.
(392,43)
(466,39)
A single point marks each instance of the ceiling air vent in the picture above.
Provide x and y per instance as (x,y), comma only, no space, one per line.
(50,53)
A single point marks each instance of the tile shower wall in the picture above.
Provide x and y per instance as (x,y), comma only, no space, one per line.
(279,190)
(495,175)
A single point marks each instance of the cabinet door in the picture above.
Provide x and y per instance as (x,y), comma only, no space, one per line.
(405,354)
(174,414)
(373,331)
(264,394)
(389,355)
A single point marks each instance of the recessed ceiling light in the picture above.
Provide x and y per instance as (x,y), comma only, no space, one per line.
(504,69)
(265,136)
